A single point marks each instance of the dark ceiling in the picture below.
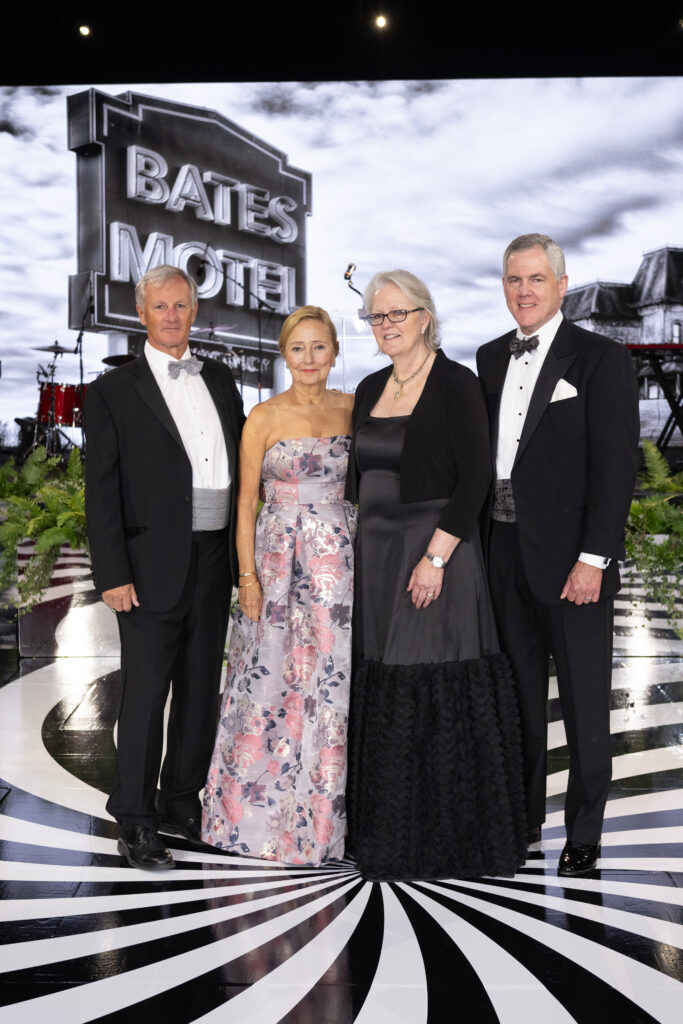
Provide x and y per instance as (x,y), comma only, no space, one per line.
(299,40)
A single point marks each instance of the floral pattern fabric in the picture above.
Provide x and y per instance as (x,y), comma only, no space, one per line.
(278,773)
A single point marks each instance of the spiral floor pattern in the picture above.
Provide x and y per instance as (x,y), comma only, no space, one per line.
(219,939)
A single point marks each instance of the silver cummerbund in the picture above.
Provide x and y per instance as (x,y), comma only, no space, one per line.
(210,508)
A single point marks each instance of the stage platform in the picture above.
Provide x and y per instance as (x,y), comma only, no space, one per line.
(224,939)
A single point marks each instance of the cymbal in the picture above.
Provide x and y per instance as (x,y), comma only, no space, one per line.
(119,360)
(58,349)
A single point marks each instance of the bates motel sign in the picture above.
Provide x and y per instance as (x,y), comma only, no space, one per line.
(163,182)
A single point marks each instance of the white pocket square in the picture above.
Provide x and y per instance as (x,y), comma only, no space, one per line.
(563,389)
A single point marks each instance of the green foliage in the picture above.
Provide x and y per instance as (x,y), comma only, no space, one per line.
(42,501)
(654,532)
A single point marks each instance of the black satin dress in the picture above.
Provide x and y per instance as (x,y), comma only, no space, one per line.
(435,763)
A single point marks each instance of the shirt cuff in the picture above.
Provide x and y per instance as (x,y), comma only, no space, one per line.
(599,561)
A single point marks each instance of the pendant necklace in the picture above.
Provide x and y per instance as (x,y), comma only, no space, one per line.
(401,383)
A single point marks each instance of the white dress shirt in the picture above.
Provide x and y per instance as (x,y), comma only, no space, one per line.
(196,418)
(518,388)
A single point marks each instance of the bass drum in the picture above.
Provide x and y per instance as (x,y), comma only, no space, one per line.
(68,404)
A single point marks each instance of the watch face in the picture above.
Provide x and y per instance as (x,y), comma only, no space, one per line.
(436,560)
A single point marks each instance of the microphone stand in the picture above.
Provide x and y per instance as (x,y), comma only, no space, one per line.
(79,351)
(260,305)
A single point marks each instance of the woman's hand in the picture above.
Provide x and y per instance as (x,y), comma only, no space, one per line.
(250,599)
(425,583)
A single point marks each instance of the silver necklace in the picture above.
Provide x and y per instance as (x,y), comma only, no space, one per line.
(402,383)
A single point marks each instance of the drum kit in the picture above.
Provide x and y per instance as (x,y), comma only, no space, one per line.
(60,406)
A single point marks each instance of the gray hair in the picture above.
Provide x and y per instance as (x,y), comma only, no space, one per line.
(416,292)
(551,249)
(157,275)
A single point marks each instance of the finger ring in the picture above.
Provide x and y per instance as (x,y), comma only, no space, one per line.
(430,595)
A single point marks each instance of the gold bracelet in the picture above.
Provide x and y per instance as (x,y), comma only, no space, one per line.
(252,572)
(243,586)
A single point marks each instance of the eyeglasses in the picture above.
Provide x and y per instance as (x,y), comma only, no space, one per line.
(394,316)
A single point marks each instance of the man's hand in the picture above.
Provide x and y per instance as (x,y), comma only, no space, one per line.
(121,599)
(583,584)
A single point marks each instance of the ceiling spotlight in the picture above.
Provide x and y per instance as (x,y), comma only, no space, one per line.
(84,30)
(381,21)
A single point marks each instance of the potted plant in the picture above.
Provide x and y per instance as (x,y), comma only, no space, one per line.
(42,501)
(654,533)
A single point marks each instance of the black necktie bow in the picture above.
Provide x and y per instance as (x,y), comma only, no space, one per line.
(520,345)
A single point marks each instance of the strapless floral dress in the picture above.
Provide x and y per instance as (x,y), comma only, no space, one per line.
(277,779)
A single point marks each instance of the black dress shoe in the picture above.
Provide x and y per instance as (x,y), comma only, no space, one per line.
(142,848)
(578,858)
(186,828)
(533,835)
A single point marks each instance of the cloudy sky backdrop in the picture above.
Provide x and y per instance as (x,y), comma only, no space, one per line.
(433,176)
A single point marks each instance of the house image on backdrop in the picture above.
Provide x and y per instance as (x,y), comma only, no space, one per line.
(648,311)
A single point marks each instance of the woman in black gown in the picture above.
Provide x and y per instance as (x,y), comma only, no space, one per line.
(435,764)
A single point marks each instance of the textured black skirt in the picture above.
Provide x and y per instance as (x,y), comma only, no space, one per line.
(435,765)
(435,770)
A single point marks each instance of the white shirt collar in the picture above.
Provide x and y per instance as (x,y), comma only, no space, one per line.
(159,361)
(546,333)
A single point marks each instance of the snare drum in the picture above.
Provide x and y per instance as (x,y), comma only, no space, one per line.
(68,403)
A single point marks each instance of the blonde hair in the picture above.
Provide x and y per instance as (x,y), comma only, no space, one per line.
(307,313)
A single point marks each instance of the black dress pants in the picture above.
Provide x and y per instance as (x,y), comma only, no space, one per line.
(579,637)
(182,647)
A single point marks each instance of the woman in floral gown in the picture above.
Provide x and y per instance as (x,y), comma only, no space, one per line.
(276,784)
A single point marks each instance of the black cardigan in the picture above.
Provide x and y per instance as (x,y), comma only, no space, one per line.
(446,452)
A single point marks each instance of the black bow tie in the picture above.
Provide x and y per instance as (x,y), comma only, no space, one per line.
(520,345)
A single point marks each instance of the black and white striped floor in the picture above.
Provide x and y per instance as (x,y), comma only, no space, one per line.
(85,938)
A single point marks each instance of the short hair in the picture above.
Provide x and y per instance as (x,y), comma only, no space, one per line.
(551,249)
(416,292)
(157,275)
(307,313)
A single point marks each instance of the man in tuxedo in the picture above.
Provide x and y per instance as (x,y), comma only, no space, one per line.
(563,408)
(161,479)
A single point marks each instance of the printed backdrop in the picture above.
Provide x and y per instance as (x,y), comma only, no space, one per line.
(432,176)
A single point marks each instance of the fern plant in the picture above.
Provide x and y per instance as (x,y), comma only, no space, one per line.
(654,532)
(44,502)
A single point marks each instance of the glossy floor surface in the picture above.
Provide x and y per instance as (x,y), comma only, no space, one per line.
(86,938)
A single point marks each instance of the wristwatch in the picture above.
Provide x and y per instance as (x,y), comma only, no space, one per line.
(437,561)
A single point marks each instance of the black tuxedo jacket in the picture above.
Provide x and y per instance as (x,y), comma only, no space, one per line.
(575,466)
(138,491)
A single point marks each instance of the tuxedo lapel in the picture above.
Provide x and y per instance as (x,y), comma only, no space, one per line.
(561,355)
(218,393)
(149,391)
(497,370)
(500,358)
